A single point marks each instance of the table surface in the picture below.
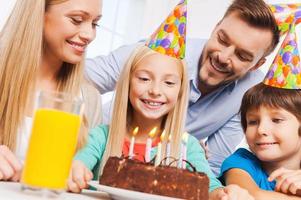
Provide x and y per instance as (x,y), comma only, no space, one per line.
(12,191)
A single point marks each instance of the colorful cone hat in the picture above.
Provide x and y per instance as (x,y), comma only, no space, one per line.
(285,71)
(170,37)
(286,14)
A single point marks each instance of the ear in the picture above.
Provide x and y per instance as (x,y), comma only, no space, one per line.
(258,64)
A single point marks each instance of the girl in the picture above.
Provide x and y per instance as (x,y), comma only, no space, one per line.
(151,92)
(42,48)
(271,119)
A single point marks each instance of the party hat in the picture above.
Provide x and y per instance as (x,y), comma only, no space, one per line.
(170,37)
(286,14)
(285,71)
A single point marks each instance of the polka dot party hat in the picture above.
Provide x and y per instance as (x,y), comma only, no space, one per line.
(285,71)
(170,37)
(286,14)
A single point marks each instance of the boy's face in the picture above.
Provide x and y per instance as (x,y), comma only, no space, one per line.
(273,135)
(154,87)
(233,49)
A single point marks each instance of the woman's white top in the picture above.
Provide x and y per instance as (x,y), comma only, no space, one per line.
(23,137)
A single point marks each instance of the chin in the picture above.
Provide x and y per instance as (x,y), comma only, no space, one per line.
(73,60)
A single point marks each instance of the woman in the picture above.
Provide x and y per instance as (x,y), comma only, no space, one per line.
(42,47)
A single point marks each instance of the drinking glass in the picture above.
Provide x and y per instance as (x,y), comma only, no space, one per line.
(52,144)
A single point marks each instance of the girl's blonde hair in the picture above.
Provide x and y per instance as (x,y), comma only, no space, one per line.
(21,47)
(174,121)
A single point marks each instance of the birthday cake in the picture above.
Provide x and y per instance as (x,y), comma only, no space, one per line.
(161,180)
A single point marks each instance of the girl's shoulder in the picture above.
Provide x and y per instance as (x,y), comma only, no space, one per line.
(100,131)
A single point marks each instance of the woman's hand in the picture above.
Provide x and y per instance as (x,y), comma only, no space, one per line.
(287,181)
(10,166)
(79,177)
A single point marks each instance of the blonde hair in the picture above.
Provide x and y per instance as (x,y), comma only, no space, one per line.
(174,122)
(21,47)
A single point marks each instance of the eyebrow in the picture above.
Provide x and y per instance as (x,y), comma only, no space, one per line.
(86,13)
(248,54)
(150,72)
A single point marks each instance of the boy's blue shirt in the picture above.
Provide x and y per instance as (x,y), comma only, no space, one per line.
(247,161)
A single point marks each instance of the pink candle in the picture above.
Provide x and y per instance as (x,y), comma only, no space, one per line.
(184,150)
(148,147)
(132,144)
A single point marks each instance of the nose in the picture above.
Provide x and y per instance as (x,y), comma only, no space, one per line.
(263,128)
(155,89)
(87,33)
(224,57)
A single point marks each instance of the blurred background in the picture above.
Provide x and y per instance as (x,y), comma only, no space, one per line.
(128,21)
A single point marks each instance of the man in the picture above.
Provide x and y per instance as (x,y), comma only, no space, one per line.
(220,71)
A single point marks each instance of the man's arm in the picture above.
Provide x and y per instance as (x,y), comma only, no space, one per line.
(223,143)
(103,71)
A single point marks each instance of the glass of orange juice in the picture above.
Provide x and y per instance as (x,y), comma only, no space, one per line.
(52,143)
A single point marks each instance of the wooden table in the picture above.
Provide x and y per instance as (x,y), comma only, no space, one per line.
(12,191)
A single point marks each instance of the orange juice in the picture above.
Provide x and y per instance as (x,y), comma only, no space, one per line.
(51,149)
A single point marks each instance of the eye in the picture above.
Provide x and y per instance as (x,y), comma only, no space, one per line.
(222,40)
(242,58)
(94,25)
(170,83)
(144,79)
(252,122)
(76,20)
(277,120)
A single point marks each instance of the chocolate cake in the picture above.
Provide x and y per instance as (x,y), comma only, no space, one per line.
(160,180)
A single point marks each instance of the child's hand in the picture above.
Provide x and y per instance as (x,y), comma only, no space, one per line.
(79,176)
(287,181)
(231,192)
(10,166)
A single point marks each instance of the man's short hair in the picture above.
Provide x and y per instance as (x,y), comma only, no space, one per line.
(258,14)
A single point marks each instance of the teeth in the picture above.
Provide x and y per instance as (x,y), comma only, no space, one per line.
(223,70)
(153,103)
(76,46)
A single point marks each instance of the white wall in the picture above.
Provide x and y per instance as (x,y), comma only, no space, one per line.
(138,24)
(5,9)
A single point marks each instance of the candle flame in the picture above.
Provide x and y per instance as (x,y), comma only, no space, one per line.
(162,137)
(185,137)
(169,138)
(135,131)
(152,133)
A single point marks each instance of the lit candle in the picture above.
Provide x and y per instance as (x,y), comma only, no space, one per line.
(159,149)
(131,152)
(149,144)
(184,149)
(168,150)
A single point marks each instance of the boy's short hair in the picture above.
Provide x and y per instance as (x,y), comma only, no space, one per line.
(264,95)
(258,14)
